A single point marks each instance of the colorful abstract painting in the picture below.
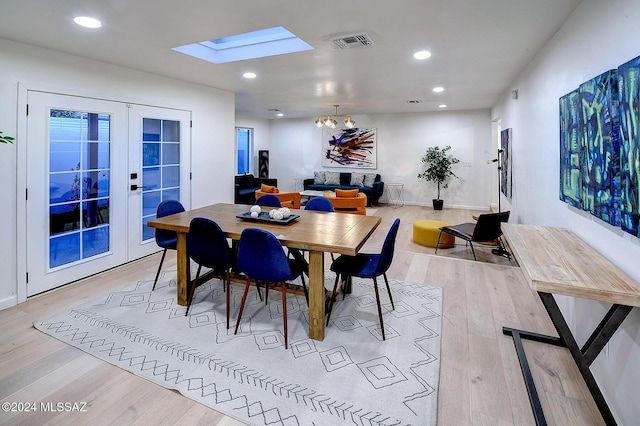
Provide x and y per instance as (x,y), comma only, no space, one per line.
(505,162)
(600,147)
(354,148)
(629,95)
(570,178)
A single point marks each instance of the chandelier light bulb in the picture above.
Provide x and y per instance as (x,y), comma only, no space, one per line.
(330,121)
(349,122)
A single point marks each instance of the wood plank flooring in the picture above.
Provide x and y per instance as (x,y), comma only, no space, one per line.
(480,378)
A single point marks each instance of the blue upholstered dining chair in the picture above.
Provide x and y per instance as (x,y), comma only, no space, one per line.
(320,204)
(262,258)
(268,200)
(367,266)
(207,245)
(167,240)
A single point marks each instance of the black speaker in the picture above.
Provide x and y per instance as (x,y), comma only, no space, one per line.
(263,164)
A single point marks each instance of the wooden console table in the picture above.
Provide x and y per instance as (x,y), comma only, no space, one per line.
(555,261)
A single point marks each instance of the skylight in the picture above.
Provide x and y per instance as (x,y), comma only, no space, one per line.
(255,44)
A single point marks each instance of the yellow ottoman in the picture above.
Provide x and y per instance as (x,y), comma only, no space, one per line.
(426,232)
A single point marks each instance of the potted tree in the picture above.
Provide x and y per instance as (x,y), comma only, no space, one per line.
(438,162)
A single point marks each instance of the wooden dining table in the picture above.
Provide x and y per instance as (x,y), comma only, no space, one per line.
(315,232)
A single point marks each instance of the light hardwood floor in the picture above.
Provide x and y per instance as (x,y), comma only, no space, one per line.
(480,378)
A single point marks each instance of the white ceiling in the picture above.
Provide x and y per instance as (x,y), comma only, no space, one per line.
(478,47)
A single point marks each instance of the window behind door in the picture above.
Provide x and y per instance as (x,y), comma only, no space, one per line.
(244,150)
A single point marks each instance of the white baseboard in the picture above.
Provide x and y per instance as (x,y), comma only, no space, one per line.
(446,206)
(8,302)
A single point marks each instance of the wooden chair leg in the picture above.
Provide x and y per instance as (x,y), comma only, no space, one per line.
(284,314)
(227,285)
(164,253)
(375,286)
(304,287)
(389,291)
(193,290)
(333,296)
(244,298)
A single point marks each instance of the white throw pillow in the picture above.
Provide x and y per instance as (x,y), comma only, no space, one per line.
(332,178)
(357,179)
(318,178)
(369,178)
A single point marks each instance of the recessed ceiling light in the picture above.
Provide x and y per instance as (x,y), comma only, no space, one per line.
(280,114)
(87,22)
(438,89)
(442,106)
(422,54)
(249,75)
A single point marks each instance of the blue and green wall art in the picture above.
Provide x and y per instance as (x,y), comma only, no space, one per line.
(600,147)
(629,95)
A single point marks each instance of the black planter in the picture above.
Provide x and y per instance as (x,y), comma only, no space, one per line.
(437,204)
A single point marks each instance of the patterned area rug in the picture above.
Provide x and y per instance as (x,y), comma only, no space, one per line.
(352,377)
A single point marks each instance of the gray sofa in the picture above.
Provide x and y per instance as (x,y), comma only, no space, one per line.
(369,183)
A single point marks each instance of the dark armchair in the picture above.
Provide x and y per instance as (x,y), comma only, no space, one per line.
(486,230)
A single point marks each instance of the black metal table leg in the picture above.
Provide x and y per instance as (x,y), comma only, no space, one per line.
(582,357)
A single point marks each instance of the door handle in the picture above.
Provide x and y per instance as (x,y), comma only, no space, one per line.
(134,187)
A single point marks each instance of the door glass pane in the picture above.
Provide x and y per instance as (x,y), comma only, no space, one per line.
(170,176)
(151,130)
(78,185)
(150,154)
(160,167)
(171,153)
(66,155)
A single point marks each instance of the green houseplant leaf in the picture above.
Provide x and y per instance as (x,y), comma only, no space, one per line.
(438,166)
(6,139)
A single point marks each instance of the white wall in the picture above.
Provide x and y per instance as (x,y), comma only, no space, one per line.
(402,139)
(212,133)
(598,36)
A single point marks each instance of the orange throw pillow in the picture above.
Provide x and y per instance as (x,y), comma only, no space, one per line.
(267,188)
(347,193)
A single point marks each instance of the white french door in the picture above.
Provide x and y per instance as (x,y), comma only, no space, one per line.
(83,216)
(159,153)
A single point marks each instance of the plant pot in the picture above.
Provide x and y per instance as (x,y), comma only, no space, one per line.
(437,204)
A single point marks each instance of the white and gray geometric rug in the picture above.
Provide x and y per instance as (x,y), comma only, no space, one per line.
(351,377)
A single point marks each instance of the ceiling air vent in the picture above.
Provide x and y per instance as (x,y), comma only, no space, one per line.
(354,41)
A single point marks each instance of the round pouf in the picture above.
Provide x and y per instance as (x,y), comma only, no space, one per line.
(426,232)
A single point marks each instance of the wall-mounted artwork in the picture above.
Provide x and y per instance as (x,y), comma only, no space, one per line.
(600,147)
(629,95)
(353,148)
(570,177)
(505,162)
(607,147)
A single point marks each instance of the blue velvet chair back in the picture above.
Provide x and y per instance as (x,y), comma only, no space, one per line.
(164,238)
(261,256)
(207,245)
(386,255)
(268,200)
(320,204)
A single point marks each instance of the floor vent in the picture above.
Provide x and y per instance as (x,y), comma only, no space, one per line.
(354,41)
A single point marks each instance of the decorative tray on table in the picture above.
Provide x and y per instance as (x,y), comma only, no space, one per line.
(264,217)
